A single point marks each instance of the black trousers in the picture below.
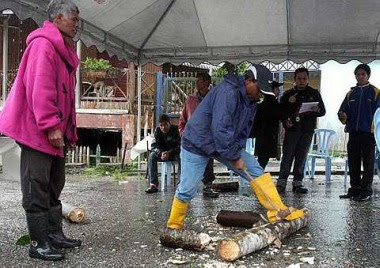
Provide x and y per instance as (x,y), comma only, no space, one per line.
(296,146)
(208,175)
(42,180)
(263,160)
(361,148)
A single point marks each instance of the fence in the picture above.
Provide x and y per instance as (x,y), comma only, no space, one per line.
(81,155)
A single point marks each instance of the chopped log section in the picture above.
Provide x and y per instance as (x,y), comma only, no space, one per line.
(185,239)
(246,219)
(246,242)
(72,213)
(230,186)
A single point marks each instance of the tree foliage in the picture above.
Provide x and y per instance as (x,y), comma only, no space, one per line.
(226,68)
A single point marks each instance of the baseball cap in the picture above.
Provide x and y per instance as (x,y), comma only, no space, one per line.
(263,77)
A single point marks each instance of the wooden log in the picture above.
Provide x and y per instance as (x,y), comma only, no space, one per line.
(246,219)
(229,186)
(246,242)
(72,213)
(185,239)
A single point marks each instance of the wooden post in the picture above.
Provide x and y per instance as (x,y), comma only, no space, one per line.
(229,186)
(88,156)
(73,156)
(5,58)
(246,219)
(122,161)
(185,239)
(254,239)
(80,154)
(72,213)
(98,153)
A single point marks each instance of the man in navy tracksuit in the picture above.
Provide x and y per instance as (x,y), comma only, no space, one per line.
(356,112)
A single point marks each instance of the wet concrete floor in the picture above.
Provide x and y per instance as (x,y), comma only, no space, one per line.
(123,222)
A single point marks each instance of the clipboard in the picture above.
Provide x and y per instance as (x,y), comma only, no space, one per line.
(308,107)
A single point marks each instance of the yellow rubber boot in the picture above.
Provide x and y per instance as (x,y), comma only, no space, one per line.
(269,198)
(177,214)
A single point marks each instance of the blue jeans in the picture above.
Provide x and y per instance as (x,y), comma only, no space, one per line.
(193,167)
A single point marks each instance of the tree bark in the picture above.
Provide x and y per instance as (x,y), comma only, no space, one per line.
(246,219)
(185,239)
(72,213)
(231,186)
(257,238)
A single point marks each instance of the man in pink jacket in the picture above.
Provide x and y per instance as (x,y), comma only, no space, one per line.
(192,102)
(40,115)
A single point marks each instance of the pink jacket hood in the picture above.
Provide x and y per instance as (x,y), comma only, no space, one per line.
(51,33)
(42,97)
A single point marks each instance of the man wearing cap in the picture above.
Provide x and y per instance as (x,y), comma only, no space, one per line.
(299,129)
(266,126)
(219,128)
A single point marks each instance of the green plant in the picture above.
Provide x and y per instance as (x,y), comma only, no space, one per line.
(237,69)
(93,64)
(114,171)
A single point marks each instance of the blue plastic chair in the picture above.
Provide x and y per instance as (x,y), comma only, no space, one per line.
(325,149)
(376,122)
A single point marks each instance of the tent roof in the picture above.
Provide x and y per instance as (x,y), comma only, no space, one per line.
(212,31)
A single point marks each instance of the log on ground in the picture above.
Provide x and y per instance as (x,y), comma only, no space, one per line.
(246,219)
(185,239)
(230,186)
(72,213)
(254,239)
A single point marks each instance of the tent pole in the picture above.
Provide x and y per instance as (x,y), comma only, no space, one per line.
(5,58)
(138,134)
(78,76)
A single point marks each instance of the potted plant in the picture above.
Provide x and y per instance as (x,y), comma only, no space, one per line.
(95,68)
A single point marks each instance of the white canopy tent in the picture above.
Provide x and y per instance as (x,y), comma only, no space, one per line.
(212,31)
(197,31)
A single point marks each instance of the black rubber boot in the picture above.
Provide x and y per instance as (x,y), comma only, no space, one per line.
(351,193)
(40,246)
(56,235)
(209,192)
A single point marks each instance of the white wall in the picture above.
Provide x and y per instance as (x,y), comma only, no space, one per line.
(336,80)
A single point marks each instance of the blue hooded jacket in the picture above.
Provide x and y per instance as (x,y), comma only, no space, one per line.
(222,122)
(360,104)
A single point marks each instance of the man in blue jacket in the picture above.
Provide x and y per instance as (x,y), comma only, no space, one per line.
(356,112)
(219,128)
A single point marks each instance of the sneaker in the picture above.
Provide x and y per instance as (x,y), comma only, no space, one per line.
(280,189)
(208,192)
(299,190)
(363,197)
(152,189)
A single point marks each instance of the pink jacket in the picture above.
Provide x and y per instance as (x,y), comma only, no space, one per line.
(191,104)
(42,97)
